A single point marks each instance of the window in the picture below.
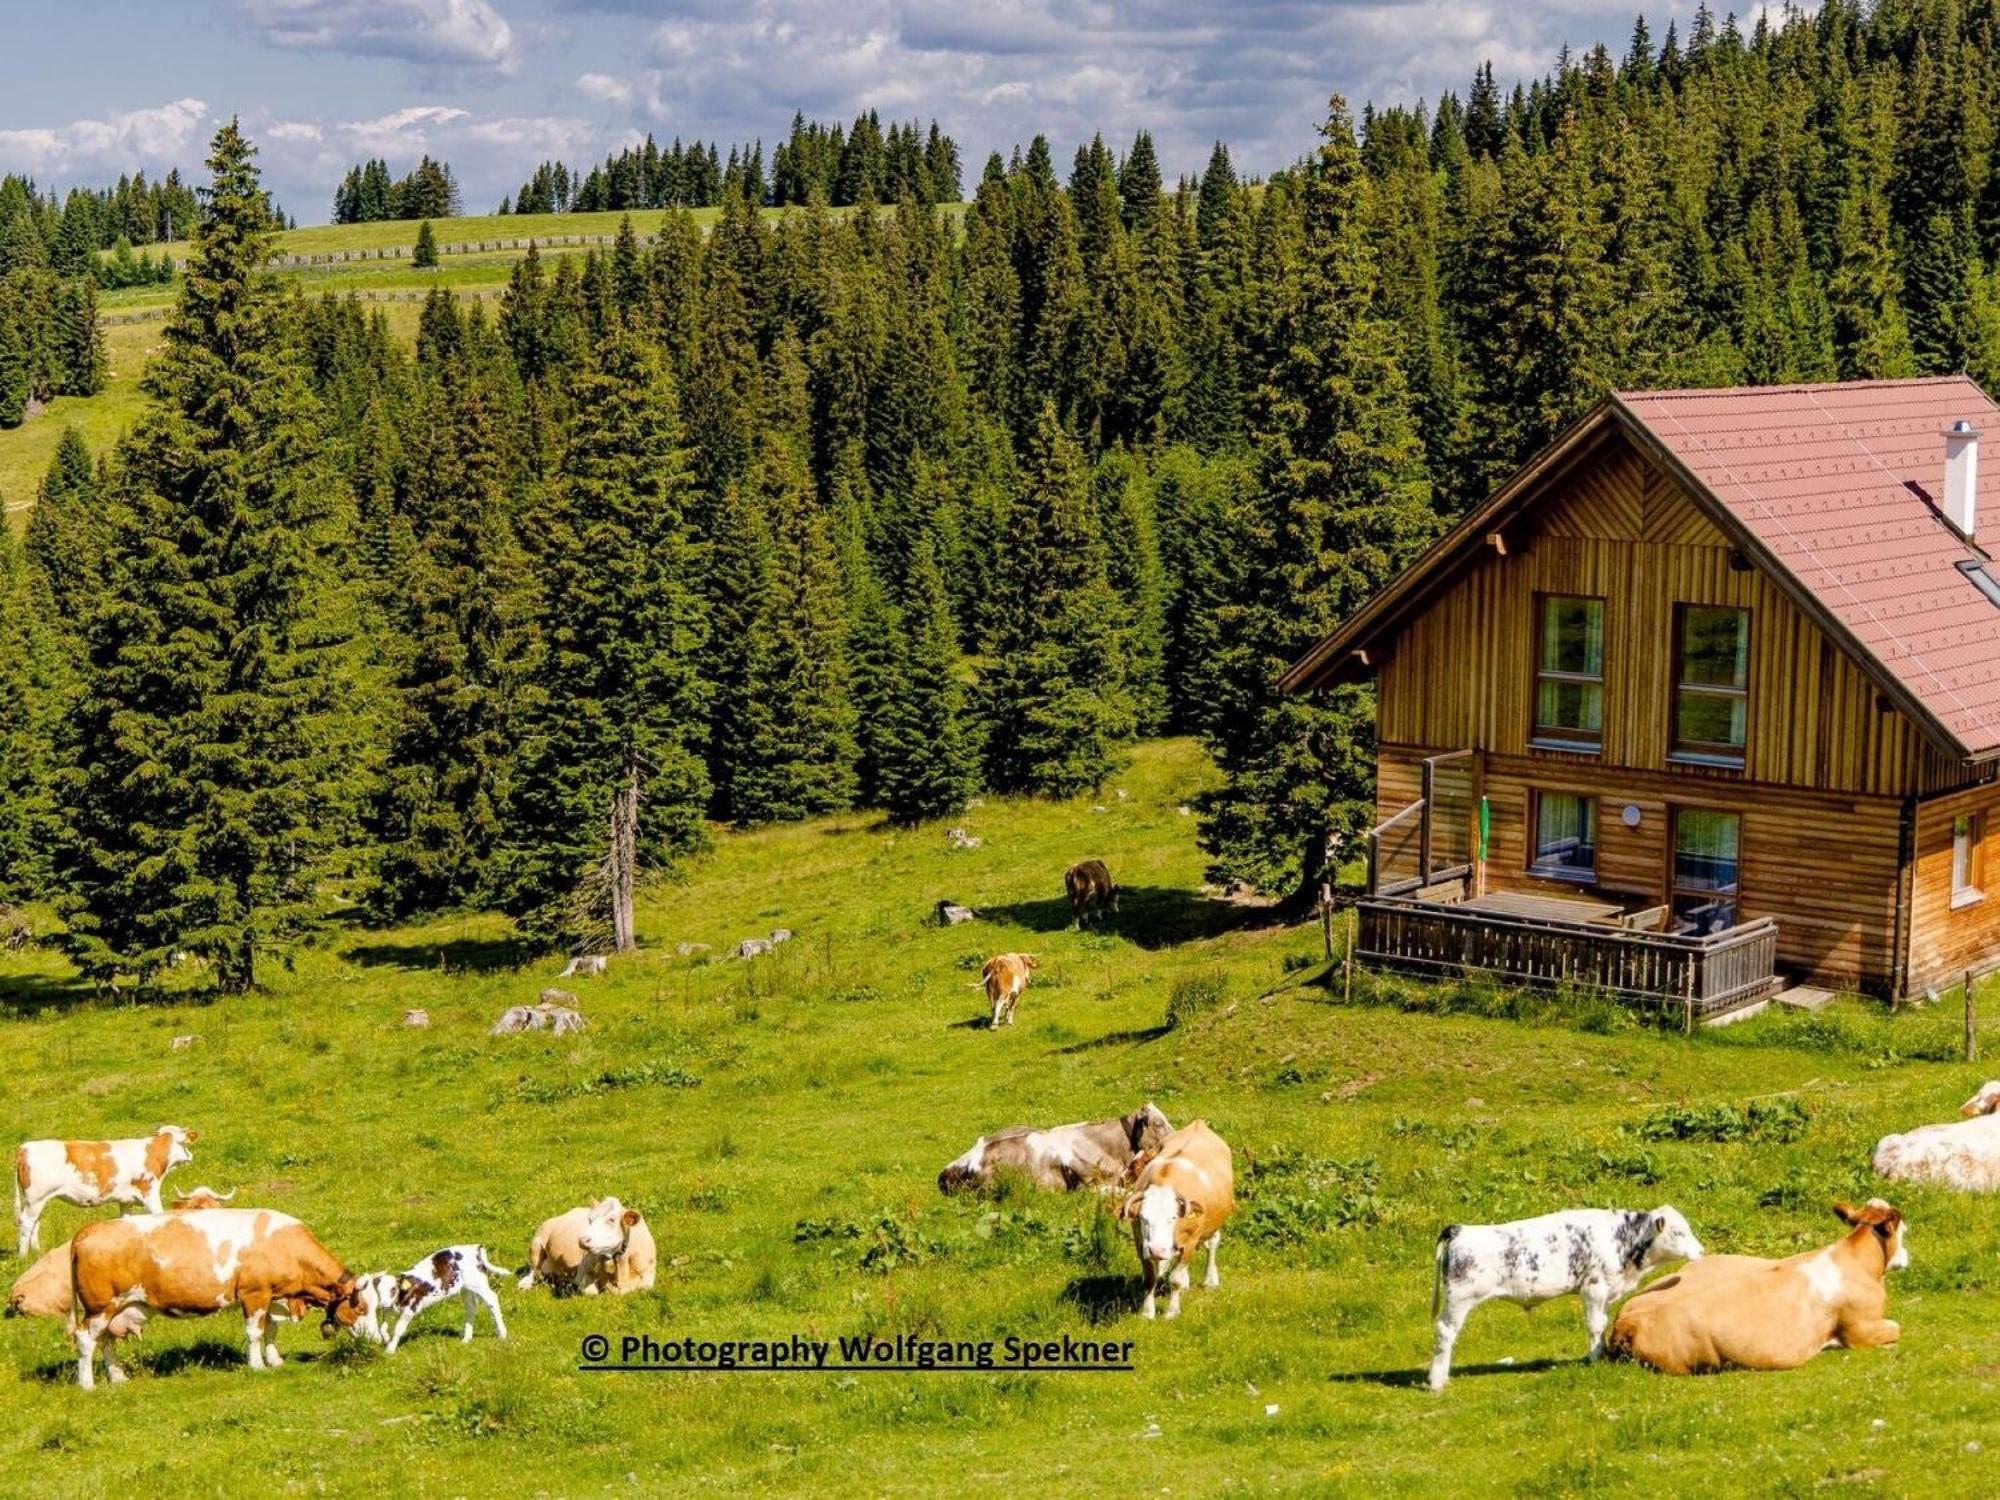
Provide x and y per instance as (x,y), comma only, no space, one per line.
(1706,850)
(1982,580)
(1569,675)
(1965,861)
(1712,673)
(1565,836)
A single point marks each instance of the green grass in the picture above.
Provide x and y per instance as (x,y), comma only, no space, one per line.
(26,451)
(834,1079)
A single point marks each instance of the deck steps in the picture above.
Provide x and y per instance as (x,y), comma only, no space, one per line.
(1805,997)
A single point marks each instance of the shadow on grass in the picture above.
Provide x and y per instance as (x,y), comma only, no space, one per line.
(972,1023)
(1102,1299)
(37,994)
(1132,1037)
(1420,1378)
(1148,916)
(475,955)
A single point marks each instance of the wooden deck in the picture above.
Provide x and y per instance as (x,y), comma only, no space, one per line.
(1700,977)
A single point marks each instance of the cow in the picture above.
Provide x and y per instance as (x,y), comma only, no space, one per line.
(92,1173)
(1600,1254)
(1088,883)
(587,964)
(1962,1154)
(189,1265)
(1063,1157)
(1747,1313)
(1004,976)
(606,1247)
(42,1291)
(461,1271)
(1182,1192)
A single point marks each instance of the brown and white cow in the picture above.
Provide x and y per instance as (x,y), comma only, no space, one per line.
(1181,1196)
(42,1291)
(1088,883)
(1004,976)
(1744,1312)
(92,1173)
(189,1265)
(1093,1153)
(1962,1154)
(606,1247)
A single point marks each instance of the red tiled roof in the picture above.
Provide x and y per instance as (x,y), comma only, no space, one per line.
(1839,485)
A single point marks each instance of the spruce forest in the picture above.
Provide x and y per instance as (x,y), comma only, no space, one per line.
(884,509)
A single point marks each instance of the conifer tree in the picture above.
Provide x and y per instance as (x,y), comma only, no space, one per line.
(65,539)
(208,775)
(928,761)
(425,256)
(27,712)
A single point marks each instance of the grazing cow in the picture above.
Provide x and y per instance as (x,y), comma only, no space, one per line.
(1747,1313)
(1962,1154)
(1088,883)
(586,964)
(1094,1153)
(42,1291)
(1004,977)
(1598,1253)
(92,1173)
(188,1265)
(460,1271)
(1183,1191)
(606,1247)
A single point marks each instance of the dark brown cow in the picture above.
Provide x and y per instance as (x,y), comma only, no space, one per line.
(1088,882)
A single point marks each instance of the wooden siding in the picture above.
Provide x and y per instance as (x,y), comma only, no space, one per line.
(1461,675)
(1839,930)
(1945,942)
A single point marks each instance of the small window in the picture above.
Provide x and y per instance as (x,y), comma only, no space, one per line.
(1966,873)
(1569,675)
(1982,580)
(1565,836)
(1712,676)
(1706,855)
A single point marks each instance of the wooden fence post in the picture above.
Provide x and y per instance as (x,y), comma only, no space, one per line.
(1326,918)
(1971,1034)
(1687,995)
(1353,921)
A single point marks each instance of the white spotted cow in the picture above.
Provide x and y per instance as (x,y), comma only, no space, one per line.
(460,1271)
(1600,1254)
(92,1173)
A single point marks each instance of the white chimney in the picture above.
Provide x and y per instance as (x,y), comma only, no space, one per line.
(1961,476)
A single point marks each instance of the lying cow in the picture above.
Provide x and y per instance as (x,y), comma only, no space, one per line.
(1182,1193)
(1004,976)
(1088,883)
(606,1247)
(1600,1254)
(42,1291)
(1747,1313)
(460,1271)
(1095,1153)
(91,1174)
(1962,1154)
(188,1265)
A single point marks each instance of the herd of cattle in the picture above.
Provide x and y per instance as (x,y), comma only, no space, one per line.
(1176,1189)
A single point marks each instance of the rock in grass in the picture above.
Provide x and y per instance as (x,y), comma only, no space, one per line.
(182,1043)
(949,914)
(416,1018)
(958,838)
(559,1019)
(554,996)
(752,947)
(780,935)
(689,950)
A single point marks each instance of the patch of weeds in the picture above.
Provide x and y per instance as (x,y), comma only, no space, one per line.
(1450,1137)
(1777,1121)
(1010,1227)
(711,1198)
(1192,996)
(855,994)
(879,1244)
(1293,963)
(635,1076)
(1096,1242)
(1635,1166)
(1294,1197)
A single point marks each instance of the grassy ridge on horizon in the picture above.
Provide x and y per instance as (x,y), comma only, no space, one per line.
(781,1123)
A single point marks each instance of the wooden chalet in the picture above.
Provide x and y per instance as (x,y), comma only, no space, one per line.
(1707,694)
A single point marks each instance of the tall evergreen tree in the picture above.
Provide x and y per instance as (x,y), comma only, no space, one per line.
(929,764)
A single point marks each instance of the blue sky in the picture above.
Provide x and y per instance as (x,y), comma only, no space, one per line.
(93,88)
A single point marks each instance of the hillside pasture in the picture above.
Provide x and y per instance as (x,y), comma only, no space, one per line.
(781,1123)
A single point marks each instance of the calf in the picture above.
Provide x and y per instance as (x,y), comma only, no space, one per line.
(1004,977)
(1747,1313)
(92,1173)
(457,1270)
(1962,1154)
(1182,1193)
(606,1247)
(188,1265)
(1088,883)
(1598,1253)
(1063,1157)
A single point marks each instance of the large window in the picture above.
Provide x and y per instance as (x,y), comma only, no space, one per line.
(1565,836)
(1712,677)
(1569,673)
(1966,875)
(1707,850)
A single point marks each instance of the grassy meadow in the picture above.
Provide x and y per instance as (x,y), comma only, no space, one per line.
(781,1122)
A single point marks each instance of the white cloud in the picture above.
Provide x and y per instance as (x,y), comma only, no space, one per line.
(605,87)
(166,136)
(459,34)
